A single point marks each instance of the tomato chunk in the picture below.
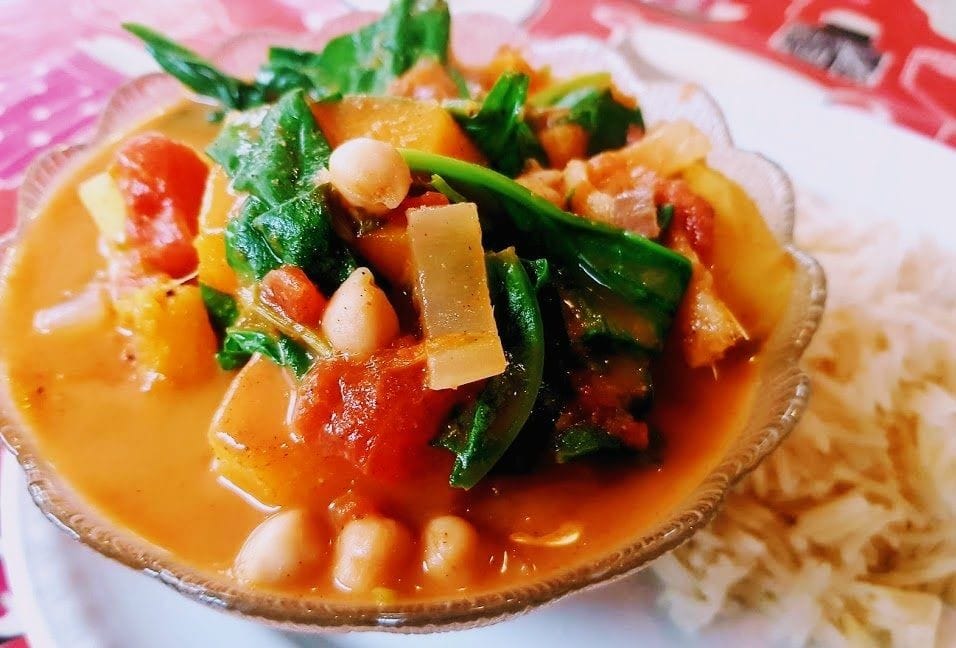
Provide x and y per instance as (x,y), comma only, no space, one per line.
(692,215)
(427,199)
(379,414)
(162,183)
(291,292)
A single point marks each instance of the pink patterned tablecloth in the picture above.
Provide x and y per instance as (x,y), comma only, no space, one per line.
(60,59)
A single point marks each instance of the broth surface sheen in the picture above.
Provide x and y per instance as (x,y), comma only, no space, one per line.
(142,457)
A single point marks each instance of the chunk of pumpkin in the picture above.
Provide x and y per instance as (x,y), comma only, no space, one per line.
(171,335)
(249,425)
(386,248)
(744,248)
(451,287)
(256,449)
(401,122)
(214,270)
(218,201)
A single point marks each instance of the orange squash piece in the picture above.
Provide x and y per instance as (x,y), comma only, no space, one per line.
(217,203)
(401,122)
(171,334)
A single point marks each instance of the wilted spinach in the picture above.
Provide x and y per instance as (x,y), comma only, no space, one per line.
(285,219)
(221,308)
(481,434)
(646,278)
(239,345)
(362,62)
(497,126)
(605,119)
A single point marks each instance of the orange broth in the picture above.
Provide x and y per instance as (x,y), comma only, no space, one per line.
(142,457)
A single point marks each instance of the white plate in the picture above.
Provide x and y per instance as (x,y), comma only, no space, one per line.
(66,595)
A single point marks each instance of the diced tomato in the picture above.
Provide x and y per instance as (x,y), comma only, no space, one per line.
(692,215)
(605,400)
(427,199)
(162,182)
(379,414)
(290,291)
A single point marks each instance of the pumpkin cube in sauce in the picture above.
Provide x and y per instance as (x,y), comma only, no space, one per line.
(170,332)
(217,204)
(403,123)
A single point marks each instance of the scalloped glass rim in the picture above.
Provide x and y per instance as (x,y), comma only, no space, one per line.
(780,400)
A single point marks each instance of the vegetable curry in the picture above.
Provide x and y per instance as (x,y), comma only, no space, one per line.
(378,327)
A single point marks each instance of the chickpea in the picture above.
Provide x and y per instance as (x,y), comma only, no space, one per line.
(449,547)
(369,174)
(369,552)
(359,319)
(283,547)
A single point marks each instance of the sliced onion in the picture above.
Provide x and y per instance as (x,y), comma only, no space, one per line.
(669,148)
(451,286)
(564,536)
(87,309)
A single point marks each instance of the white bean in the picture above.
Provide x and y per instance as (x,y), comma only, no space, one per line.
(359,319)
(369,174)
(449,544)
(283,547)
(369,552)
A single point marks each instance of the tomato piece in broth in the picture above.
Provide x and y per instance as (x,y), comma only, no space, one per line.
(379,414)
(427,199)
(289,290)
(162,182)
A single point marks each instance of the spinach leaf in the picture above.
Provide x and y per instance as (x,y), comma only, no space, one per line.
(195,72)
(239,345)
(599,318)
(498,127)
(247,251)
(283,163)
(583,440)
(557,91)
(299,232)
(221,308)
(367,60)
(362,62)
(665,214)
(438,184)
(235,140)
(481,435)
(645,276)
(540,272)
(286,218)
(599,113)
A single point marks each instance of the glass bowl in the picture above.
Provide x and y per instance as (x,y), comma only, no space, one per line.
(781,395)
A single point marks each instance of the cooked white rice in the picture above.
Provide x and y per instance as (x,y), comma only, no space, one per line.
(846,535)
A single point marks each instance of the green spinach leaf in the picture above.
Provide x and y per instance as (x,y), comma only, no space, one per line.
(438,184)
(367,60)
(362,62)
(599,113)
(239,345)
(647,277)
(285,159)
(665,214)
(497,127)
(285,219)
(583,440)
(221,308)
(481,435)
(195,72)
